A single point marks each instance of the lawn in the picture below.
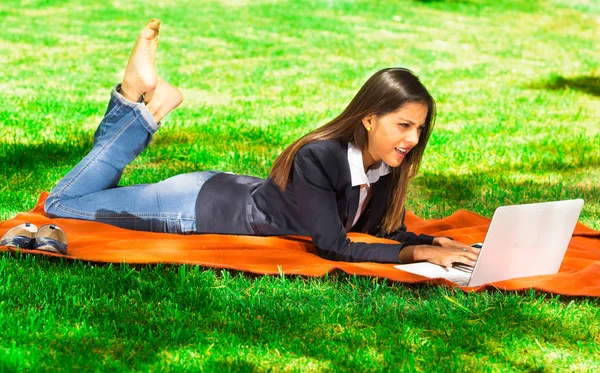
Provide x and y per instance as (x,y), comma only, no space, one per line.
(517,86)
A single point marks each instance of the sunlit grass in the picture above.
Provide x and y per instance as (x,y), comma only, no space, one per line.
(517,90)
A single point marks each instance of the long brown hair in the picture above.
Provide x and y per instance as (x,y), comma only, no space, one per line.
(383,93)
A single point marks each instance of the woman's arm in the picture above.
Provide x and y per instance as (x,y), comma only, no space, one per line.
(315,174)
(441,255)
(439,250)
(409,238)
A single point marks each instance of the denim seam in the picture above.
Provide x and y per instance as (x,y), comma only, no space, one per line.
(87,165)
(111,113)
(118,105)
(73,211)
(179,215)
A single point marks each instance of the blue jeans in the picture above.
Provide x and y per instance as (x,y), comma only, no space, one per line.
(90,190)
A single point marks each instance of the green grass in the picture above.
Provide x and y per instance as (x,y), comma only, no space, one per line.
(517,86)
(181,317)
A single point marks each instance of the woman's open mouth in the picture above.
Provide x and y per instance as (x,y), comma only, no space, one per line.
(401,152)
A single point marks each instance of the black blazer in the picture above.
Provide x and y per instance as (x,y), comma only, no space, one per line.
(319,202)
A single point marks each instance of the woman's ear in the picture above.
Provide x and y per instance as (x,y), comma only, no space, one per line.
(368,121)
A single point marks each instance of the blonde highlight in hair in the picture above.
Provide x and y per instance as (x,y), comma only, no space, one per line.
(384,92)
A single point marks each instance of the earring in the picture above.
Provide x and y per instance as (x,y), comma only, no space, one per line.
(368,128)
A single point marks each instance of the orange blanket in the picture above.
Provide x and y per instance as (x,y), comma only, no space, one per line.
(578,275)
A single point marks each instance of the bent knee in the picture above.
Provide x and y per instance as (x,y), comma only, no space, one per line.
(51,206)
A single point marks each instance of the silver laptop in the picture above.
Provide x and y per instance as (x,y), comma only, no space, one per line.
(523,240)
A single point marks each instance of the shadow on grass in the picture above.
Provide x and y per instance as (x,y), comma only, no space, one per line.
(545,171)
(439,194)
(36,167)
(467,192)
(273,315)
(48,153)
(585,84)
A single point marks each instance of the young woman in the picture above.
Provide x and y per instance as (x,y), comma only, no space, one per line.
(348,175)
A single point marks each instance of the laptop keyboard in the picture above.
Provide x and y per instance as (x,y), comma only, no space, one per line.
(462,267)
(457,273)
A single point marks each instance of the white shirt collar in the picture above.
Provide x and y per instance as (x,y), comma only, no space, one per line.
(357,169)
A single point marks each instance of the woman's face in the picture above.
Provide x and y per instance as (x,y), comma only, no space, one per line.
(393,135)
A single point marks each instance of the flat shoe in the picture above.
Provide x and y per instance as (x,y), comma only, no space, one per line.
(50,238)
(20,236)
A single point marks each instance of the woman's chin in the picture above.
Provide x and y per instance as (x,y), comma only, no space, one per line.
(395,161)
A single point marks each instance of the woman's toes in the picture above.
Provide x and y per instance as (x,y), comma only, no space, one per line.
(140,74)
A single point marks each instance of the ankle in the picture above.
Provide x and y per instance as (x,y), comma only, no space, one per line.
(156,109)
(129,93)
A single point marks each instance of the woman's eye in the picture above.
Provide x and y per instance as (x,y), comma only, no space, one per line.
(405,125)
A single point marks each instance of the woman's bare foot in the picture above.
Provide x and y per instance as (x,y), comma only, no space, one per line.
(163,99)
(140,74)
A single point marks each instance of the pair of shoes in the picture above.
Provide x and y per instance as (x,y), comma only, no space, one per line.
(48,237)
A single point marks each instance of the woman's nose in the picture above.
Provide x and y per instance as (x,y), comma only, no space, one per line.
(413,137)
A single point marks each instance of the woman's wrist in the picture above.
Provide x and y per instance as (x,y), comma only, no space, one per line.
(406,254)
(437,241)
(414,253)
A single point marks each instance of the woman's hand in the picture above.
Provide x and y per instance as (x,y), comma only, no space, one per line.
(443,252)
(451,244)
